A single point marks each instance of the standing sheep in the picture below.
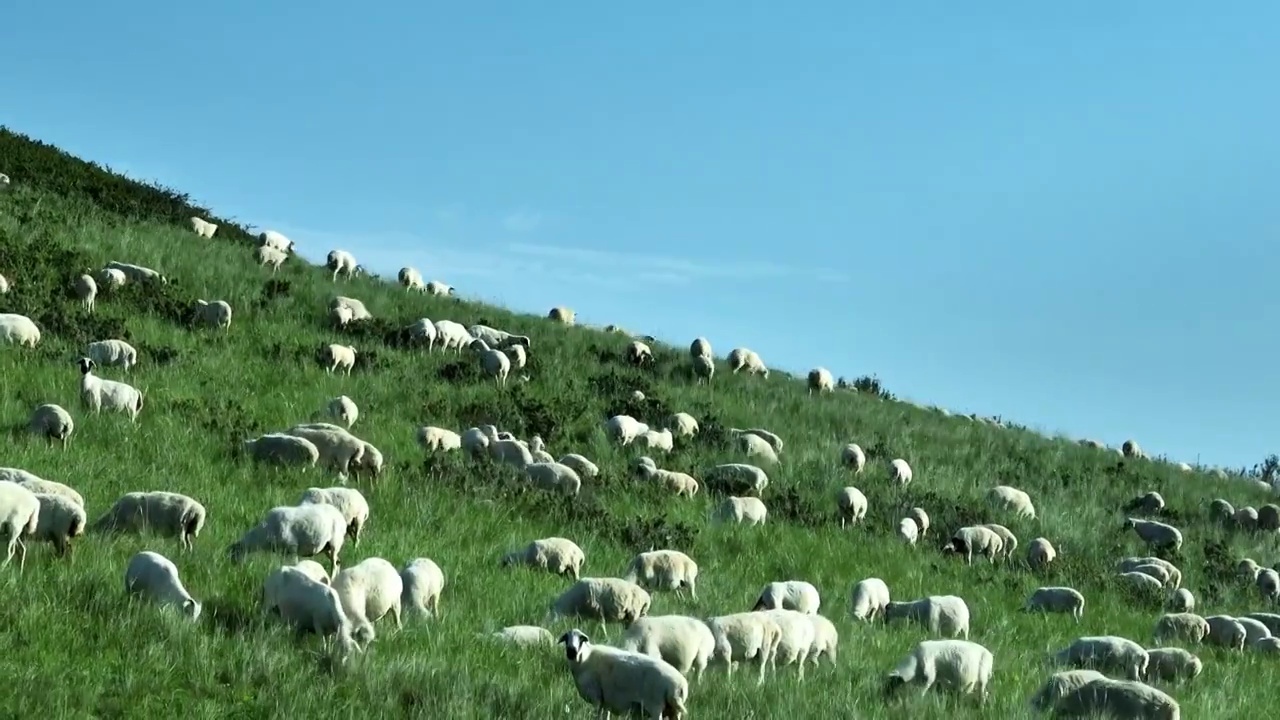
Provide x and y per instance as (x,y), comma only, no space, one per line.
(107,353)
(736,478)
(301,530)
(19,330)
(282,449)
(624,429)
(1117,698)
(1131,449)
(741,637)
(344,410)
(614,680)
(275,240)
(338,449)
(975,539)
(1009,498)
(741,510)
(908,530)
(61,520)
(747,359)
(313,606)
(869,599)
(369,590)
(900,472)
(435,287)
(215,314)
(19,516)
(349,501)
(86,291)
(700,347)
(341,262)
(339,356)
(941,614)
(562,315)
(165,514)
(851,505)
(1149,503)
(638,353)
(39,485)
(852,456)
(270,256)
(961,665)
(704,368)
(798,635)
(155,577)
(1056,600)
(795,595)
(684,642)
(1040,553)
(554,477)
(97,393)
(554,554)
(664,570)
(820,381)
(423,582)
(1059,684)
(1106,654)
(52,422)
(604,600)
(411,279)
(580,465)
(434,438)
(1157,535)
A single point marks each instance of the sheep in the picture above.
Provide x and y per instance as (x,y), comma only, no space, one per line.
(900,472)
(337,448)
(685,642)
(96,392)
(452,335)
(820,381)
(755,447)
(554,477)
(624,429)
(1221,510)
(684,424)
(704,368)
(153,576)
(435,287)
(524,636)
(638,353)
(423,330)
(1131,449)
(739,510)
(908,530)
(747,359)
(341,261)
(495,363)
(921,519)
(658,440)
(112,352)
(51,422)
(276,241)
(851,505)
(1141,583)
(1269,517)
(344,409)
(270,256)
(39,485)
(1248,569)
(112,278)
(310,605)
(1059,684)
(580,465)
(1181,600)
(369,591)
(741,637)
(1254,630)
(1270,620)
(137,273)
(277,582)
(681,484)
(518,355)
(19,330)
(165,514)
(282,449)
(774,441)
(852,456)
(1172,665)
(737,478)
(615,680)
(1040,553)
(85,290)
(354,508)
(435,438)
(1007,538)
(961,665)
(216,314)
(61,519)
(301,530)
(664,570)
(700,347)
(798,636)
(411,279)
(975,539)
(1246,518)
(1130,564)
(1148,503)
(868,599)
(517,454)
(19,516)
(339,356)
(1117,698)
(1157,535)
(1158,572)
(423,582)
(1106,654)
(562,315)
(826,639)
(1011,498)
(357,308)
(557,555)
(1056,600)
(941,614)
(370,462)
(604,599)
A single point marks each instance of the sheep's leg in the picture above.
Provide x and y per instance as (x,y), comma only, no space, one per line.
(22,555)
(433,603)
(13,539)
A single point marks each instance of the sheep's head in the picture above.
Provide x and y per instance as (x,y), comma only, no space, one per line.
(577,645)
(892,683)
(364,633)
(956,545)
(761,604)
(191,609)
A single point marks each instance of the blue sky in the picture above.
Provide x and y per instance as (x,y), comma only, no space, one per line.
(1062,214)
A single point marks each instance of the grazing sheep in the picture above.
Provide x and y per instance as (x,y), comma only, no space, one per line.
(19,516)
(747,359)
(975,539)
(435,438)
(900,472)
(165,514)
(354,508)
(826,639)
(270,256)
(736,478)
(1040,553)
(19,330)
(341,261)
(301,530)
(1130,449)
(1106,654)
(1141,583)
(615,680)
(851,505)
(1056,600)
(869,599)
(1172,665)
(603,599)
(1131,564)
(638,353)
(1255,630)
(1270,620)
(562,315)
(275,240)
(313,606)
(700,347)
(39,485)
(1158,572)
(580,465)
(1059,684)
(1010,498)
(1181,600)
(112,352)
(658,440)
(277,582)
(524,636)
(112,279)
(97,393)
(282,449)
(423,582)
(61,519)
(756,447)
(435,287)
(411,279)
(798,636)
(554,554)
(624,429)
(1118,698)
(795,595)
(216,314)
(908,530)
(137,273)
(681,484)
(1157,535)
(741,637)
(1148,503)
(684,642)
(942,614)
(51,422)
(495,363)
(774,441)
(339,356)
(554,477)
(1007,538)
(704,368)
(853,456)
(1226,631)
(369,590)
(154,577)
(86,291)
(820,381)
(684,424)
(343,409)
(740,510)
(337,448)
(961,665)
(921,519)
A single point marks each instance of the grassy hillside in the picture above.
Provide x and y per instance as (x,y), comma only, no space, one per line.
(77,647)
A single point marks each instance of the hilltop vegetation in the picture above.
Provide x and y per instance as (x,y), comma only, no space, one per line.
(80,648)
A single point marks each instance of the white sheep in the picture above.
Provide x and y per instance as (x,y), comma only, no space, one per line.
(524,636)
(664,570)
(411,279)
(1268,583)
(19,516)
(922,519)
(155,577)
(742,637)
(684,424)
(853,456)
(1172,664)
(369,590)
(615,680)
(343,409)
(1255,630)
(519,356)
(795,595)
(638,353)
(61,520)
(774,441)
(435,287)
(4,284)
(423,583)
(682,484)
(350,501)
(112,279)
(798,635)
(300,530)
(1009,541)
(1148,503)
(39,485)
(357,308)
(1160,573)
(700,347)
(275,240)
(165,514)
(557,555)
(908,530)
(581,465)
(270,256)
(820,381)
(495,363)
(868,599)
(282,449)
(553,476)
(757,448)
(216,314)
(684,642)
(1056,600)
(19,329)
(1059,684)
(1117,698)
(747,359)
(1156,534)
(658,440)
(52,422)
(434,438)
(946,615)
(337,448)
(851,505)
(277,583)
(604,599)
(341,261)
(741,510)
(98,393)
(112,352)
(1009,498)
(1131,449)
(1106,654)
(900,472)
(737,478)
(1181,600)
(961,665)
(452,335)
(1270,620)
(562,315)
(86,291)
(704,368)
(1132,563)
(137,273)
(826,639)
(975,539)
(1226,631)
(1141,584)
(313,606)
(341,316)
(624,429)
(1040,553)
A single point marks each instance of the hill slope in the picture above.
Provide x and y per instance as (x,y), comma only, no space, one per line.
(69,631)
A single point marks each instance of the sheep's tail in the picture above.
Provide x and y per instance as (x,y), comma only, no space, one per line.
(32,522)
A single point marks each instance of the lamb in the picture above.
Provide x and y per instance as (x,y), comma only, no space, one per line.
(1172,665)
(851,505)
(664,570)
(554,554)
(747,359)
(314,606)
(154,577)
(1106,654)
(853,456)
(435,438)
(61,519)
(1059,684)
(638,353)
(1012,499)
(166,514)
(921,519)
(554,477)
(869,599)
(137,273)
(615,680)
(1040,553)
(684,642)
(216,314)
(51,422)
(452,335)
(435,287)
(700,347)
(1149,503)
(349,501)
(86,291)
(19,516)
(604,600)
(745,636)
(704,368)
(495,363)
(301,530)
(562,315)
(900,472)
(282,449)
(343,409)
(270,256)
(524,636)
(276,241)
(580,465)
(112,352)
(341,261)
(369,590)
(685,424)
(1118,698)
(19,330)
(658,440)
(755,446)
(358,310)
(39,485)
(959,664)
(337,448)
(749,510)
(820,381)
(1157,535)
(1181,600)
(111,278)
(682,484)
(909,531)
(737,478)
(1130,564)
(1056,600)
(624,429)
(975,539)
(946,615)
(798,636)
(411,279)
(1008,539)
(423,582)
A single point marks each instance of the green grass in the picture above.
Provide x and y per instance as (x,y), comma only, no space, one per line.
(72,645)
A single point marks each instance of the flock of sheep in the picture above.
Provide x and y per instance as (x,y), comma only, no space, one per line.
(647,670)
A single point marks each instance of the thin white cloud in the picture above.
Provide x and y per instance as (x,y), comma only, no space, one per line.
(522,221)
(671,268)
